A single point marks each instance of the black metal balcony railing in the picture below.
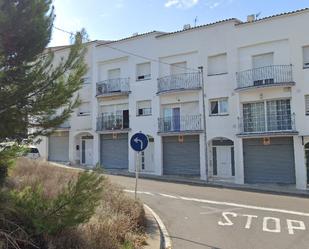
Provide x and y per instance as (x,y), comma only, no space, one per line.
(118,85)
(265,76)
(112,122)
(269,123)
(183,81)
(180,123)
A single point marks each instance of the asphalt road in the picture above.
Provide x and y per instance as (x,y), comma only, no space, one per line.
(216,218)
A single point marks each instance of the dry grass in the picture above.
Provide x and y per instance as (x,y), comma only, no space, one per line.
(118,219)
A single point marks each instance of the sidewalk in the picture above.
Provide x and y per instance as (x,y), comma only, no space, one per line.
(277,189)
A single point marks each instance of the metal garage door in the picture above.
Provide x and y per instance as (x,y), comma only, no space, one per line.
(181,158)
(273,163)
(58,148)
(114,151)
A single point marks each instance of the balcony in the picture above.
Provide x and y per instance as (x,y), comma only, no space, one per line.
(270,124)
(113,87)
(113,123)
(180,124)
(179,82)
(270,76)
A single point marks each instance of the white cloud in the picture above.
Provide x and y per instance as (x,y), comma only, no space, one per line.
(119,4)
(212,4)
(181,3)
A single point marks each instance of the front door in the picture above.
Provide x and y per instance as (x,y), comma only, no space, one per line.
(87,151)
(224,162)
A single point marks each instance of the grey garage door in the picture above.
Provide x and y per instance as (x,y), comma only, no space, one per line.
(273,163)
(58,148)
(114,151)
(181,158)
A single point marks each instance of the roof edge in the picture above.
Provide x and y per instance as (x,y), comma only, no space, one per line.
(131,37)
(294,12)
(201,26)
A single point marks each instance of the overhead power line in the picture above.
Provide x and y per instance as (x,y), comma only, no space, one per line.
(130,53)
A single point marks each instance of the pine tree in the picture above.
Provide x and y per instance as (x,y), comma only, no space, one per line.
(32,86)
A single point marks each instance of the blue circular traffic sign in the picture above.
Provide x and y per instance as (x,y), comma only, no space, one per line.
(139,142)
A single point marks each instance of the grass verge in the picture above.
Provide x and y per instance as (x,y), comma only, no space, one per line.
(118,221)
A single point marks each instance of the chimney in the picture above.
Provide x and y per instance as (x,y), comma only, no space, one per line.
(251,18)
(186,26)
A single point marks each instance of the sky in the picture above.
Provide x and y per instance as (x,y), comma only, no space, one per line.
(115,19)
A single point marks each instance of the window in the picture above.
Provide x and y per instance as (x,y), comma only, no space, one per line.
(271,115)
(178,68)
(143,71)
(219,106)
(113,73)
(306,57)
(217,64)
(307,104)
(262,60)
(84,109)
(144,108)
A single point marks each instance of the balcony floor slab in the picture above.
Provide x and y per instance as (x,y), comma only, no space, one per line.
(178,90)
(176,133)
(267,134)
(275,85)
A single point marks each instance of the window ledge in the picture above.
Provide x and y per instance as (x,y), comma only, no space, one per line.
(144,115)
(137,80)
(216,74)
(218,115)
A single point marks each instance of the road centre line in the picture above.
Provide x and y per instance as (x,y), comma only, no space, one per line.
(284,211)
(139,192)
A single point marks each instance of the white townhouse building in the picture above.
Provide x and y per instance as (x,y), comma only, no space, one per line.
(226,101)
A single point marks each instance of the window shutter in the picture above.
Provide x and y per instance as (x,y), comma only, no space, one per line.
(307,104)
(306,56)
(114,73)
(217,64)
(263,60)
(178,68)
(143,69)
(84,108)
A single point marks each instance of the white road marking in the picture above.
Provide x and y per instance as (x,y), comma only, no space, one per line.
(169,196)
(274,221)
(232,204)
(291,227)
(227,222)
(217,210)
(270,224)
(249,220)
(139,192)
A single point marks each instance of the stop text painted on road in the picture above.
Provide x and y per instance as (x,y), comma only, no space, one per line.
(270,224)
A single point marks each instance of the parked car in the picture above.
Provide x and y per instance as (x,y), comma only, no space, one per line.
(33,153)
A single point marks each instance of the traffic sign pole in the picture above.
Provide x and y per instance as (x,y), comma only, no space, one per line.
(137,172)
(139,143)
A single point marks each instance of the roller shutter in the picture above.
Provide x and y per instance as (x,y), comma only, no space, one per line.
(58,148)
(114,151)
(181,158)
(273,163)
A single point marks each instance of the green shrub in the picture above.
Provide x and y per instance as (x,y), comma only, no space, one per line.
(73,206)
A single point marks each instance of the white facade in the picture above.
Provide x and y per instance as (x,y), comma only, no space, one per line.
(244,111)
